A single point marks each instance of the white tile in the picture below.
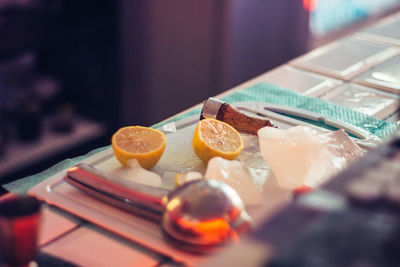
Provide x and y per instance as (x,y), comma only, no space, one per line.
(345,58)
(385,32)
(364,99)
(91,247)
(385,76)
(301,81)
(53,225)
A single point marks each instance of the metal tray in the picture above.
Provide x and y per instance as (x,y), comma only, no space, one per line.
(178,157)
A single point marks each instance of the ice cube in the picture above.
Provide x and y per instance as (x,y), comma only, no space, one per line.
(134,172)
(182,178)
(340,144)
(237,175)
(305,156)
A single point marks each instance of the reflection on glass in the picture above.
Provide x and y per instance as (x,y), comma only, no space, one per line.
(385,77)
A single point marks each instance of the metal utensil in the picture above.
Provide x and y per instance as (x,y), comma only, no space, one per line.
(217,109)
(201,212)
(351,129)
(363,138)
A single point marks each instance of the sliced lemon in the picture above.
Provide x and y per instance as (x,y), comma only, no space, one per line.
(214,138)
(181,178)
(137,142)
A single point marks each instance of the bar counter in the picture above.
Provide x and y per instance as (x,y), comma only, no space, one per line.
(340,76)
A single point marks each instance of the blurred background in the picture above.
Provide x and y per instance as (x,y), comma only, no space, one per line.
(72,72)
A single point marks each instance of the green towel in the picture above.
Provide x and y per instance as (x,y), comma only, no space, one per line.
(262,92)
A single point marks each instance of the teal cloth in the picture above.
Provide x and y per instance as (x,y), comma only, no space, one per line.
(262,92)
(21,186)
(269,93)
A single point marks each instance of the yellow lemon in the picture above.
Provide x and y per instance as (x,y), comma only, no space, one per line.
(214,138)
(181,178)
(137,142)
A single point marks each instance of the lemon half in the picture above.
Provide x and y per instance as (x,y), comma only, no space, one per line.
(137,142)
(214,138)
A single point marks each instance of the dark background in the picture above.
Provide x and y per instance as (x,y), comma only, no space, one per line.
(73,72)
(127,62)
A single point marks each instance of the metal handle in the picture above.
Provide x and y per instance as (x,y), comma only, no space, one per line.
(210,108)
(354,130)
(138,198)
